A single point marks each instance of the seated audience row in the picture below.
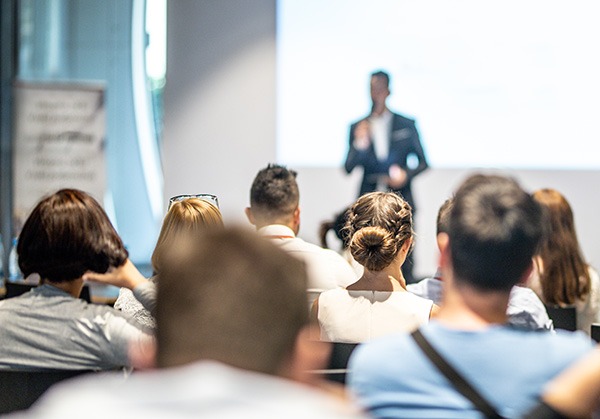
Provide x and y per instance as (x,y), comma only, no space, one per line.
(487,237)
(232,340)
(494,229)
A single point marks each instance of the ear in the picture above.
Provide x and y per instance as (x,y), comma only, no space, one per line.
(296,220)
(443,242)
(406,246)
(308,355)
(440,239)
(525,277)
(297,215)
(249,215)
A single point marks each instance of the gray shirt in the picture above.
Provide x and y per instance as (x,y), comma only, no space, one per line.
(47,328)
(524,309)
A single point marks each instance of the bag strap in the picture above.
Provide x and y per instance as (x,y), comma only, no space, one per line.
(454,377)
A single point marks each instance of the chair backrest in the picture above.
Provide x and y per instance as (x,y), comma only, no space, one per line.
(595,332)
(20,389)
(563,317)
(14,289)
(338,362)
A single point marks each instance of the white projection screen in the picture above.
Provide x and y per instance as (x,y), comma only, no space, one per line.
(502,84)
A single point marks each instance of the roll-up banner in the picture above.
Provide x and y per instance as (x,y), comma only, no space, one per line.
(59,142)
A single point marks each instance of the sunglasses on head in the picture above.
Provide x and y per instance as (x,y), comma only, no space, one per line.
(203,196)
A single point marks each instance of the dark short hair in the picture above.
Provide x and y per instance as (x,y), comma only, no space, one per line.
(230,296)
(67,234)
(383,75)
(274,192)
(494,229)
(443,217)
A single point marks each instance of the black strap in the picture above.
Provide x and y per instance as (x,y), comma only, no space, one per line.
(454,377)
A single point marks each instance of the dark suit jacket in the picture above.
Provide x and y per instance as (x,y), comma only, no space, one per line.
(404,142)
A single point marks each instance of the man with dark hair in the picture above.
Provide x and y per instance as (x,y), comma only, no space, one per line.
(525,309)
(494,229)
(275,211)
(232,340)
(387,146)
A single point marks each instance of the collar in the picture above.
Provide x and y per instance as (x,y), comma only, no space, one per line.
(386,116)
(277,231)
(47,290)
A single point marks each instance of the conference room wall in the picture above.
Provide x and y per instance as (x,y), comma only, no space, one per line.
(220,118)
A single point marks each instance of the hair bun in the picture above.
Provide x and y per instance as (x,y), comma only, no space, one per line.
(373,247)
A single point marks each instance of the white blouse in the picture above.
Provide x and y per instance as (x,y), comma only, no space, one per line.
(358,316)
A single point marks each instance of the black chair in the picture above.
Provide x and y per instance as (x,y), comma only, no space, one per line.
(563,317)
(20,389)
(595,332)
(338,362)
(14,289)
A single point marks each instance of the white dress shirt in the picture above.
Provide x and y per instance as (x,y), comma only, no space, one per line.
(326,269)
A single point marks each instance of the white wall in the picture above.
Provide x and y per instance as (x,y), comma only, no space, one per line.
(220,129)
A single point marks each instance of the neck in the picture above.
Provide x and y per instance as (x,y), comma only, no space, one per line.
(379,109)
(388,279)
(70,287)
(466,308)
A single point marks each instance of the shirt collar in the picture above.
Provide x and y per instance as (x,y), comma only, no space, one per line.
(278,230)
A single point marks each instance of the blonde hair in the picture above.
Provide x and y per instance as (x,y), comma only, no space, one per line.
(188,215)
(564,275)
(378,225)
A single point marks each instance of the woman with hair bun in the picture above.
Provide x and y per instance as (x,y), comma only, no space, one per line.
(380,232)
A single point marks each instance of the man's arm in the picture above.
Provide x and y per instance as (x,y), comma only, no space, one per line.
(358,145)
(574,393)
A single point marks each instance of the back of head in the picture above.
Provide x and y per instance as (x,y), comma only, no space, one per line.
(564,277)
(230,296)
(377,225)
(67,234)
(494,230)
(189,215)
(274,193)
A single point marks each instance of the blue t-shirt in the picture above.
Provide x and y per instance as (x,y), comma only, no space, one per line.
(392,378)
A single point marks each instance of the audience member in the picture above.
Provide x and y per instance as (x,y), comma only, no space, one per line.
(379,227)
(274,210)
(562,277)
(494,230)
(48,327)
(231,340)
(193,214)
(525,309)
